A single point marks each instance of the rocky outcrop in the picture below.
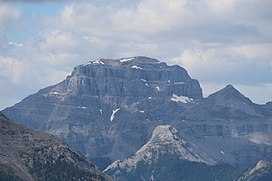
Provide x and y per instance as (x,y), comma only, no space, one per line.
(166,156)
(30,155)
(262,171)
(164,140)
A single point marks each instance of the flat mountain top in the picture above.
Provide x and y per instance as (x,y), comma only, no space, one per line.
(30,155)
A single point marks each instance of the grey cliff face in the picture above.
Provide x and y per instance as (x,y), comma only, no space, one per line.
(30,155)
(105,102)
(108,110)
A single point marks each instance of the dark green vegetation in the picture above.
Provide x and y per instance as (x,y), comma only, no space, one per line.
(60,169)
(101,162)
(30,155)
(6,173)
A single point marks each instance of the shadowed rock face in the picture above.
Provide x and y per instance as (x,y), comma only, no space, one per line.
(26,154)
(108,109)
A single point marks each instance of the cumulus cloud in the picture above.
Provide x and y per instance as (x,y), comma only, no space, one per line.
(218,42)
(31,1)
(9,19)
(230,64)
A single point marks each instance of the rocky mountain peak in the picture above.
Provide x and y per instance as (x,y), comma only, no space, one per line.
(229,94)
(164,140)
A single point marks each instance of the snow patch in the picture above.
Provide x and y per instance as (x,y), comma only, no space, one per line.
(149,97)
(222,152)
(182,99)
(54,93)
(158,88)
(88,63)
(136,67)
(152,178)
(141,111)
(178,82)
(100,110)
(147,84)
(126,59)
(144,80)
(113,113)
(98,61)
(81,107)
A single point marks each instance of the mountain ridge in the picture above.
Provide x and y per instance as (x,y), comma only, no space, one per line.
(108,110)
(31,155)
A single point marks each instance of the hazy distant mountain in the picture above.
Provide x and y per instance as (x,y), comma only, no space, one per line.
(31,155)
(108,110)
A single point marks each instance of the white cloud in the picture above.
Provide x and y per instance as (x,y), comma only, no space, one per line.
(218,42)
(58,40)
(9,19)
(254,51)
(12,69)
(227,65)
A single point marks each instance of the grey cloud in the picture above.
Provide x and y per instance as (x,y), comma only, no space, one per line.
(113,29)
(32,1)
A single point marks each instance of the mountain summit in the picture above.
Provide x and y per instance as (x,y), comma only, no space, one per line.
(227,95)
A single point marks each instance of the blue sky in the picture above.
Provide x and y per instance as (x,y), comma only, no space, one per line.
(219,42)
(31,14)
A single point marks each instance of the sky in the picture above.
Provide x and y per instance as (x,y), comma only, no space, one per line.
(218,42)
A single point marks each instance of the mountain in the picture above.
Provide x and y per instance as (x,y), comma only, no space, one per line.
(227,103)
(229,128)
(167,157)
(108,110)
(262,171)
(30,155)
